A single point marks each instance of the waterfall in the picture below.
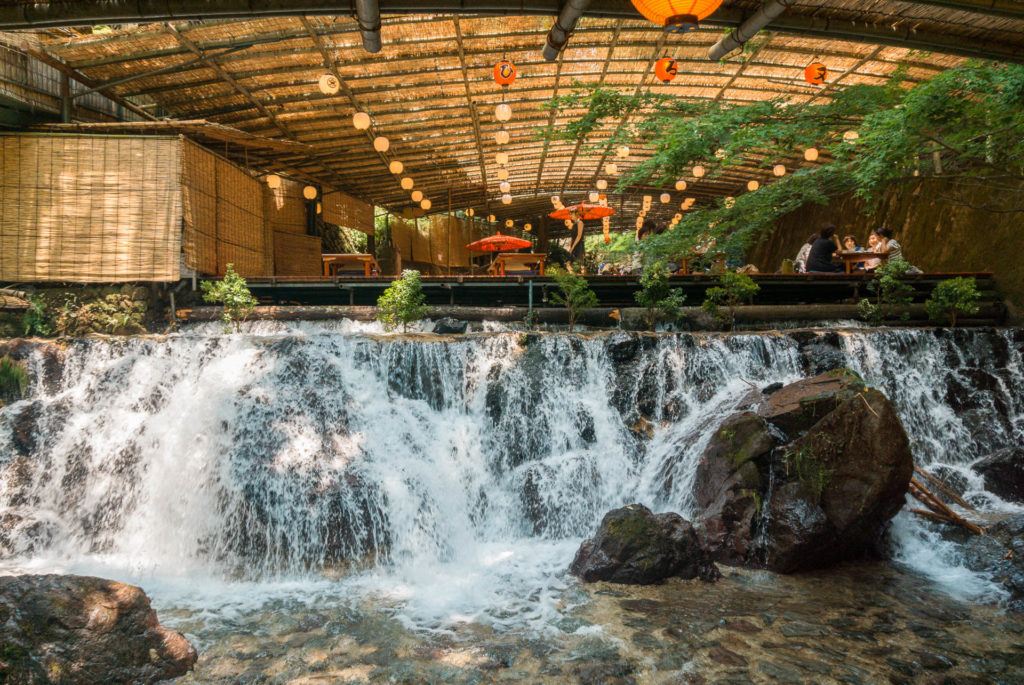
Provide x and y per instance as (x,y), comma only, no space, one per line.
(445,474)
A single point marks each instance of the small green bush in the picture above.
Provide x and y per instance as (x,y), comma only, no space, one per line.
(655,295)
(573,293)
(233,293)
(951,298)
(36,320)
(732,290)
(13,380)
(890,291)
(403,302)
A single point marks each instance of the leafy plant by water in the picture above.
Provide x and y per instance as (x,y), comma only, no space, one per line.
(13,380)
(953,297)
(36,320)
(655,295)
(732,290)
(403,302)
(573,293)
(890,291)
(233,293)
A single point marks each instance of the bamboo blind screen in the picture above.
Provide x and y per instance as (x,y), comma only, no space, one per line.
(286,208)
(89,209)
(297,255)
(344,210)
(438,240)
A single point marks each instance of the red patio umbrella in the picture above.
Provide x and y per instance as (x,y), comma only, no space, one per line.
(498,243)
(582,211)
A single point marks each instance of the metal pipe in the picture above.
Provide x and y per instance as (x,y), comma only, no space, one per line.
(559,34)
(368,16)
(748,29)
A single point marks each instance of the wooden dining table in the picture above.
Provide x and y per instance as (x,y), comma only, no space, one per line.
(520,261)
(851,258)
(366,263)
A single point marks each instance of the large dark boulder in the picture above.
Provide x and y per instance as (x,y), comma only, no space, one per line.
(1003,473)
(450,326)
(79,629)
(810,478)
(634,545)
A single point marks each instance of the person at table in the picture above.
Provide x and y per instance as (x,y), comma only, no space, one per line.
(889,245)
(800,263)
(850,244)
(874,245)
(819,260)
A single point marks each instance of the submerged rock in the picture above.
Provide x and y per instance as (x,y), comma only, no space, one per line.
(634,545)
(79,629)
(1003,472)
(450,326)
(999,554)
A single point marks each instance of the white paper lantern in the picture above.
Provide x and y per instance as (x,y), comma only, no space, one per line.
(623,151)
(851,136)
(273,181)
(426,204)
(361,120)
(720,153)
(501,137)
(602,184)
(491,218)
(811,154)
(504,186)
(593,196)
(509,223)
(407,183)
(417,195)
(779,170)
(506,199)
(501,158)
(611,168)
(396,167)
(503,112)
(527,227)
(698,171)
(470,212)
(680,185)
(753,185)
(691,201)
(665,198)
(729,202)
(309,192)
(329,84)
(647,201)
(381,144)
(502,174)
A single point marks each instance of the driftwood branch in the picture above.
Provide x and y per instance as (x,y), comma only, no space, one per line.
(938,510)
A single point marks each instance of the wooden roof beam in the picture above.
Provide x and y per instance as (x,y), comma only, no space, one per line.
(473,112)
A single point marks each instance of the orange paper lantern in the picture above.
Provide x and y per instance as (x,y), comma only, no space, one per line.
(504,73)
(815,73)
(676,15)
(666,69)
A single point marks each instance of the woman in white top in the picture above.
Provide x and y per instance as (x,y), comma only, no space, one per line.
(874,245)
(800,263)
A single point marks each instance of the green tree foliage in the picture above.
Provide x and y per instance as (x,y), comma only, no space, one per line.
(656,297)
(573,293)
(403,302)
(890,292)
(966,122)
(951,298)
(36,320)
(732,290)
(13,380)
(233,293)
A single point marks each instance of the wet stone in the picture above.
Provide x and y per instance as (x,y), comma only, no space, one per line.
(726,657)
(742,626)
(935,662)
(800,629)
(780,673)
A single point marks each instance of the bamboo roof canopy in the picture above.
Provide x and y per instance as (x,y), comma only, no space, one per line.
(249,83)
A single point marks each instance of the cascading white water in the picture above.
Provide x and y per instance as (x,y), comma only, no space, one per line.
(453,477)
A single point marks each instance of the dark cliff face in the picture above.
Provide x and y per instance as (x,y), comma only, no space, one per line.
(934,222)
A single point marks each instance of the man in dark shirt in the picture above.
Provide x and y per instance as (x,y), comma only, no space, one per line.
(820,258)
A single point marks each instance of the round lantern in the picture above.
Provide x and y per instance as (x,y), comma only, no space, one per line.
(502,174)
(407,183)
(396,167)
(666,69)
(665,198)
(720,153)
(501,158)
(381,144)
(811,154)
(698,171)
(329,84)
(426,204)
(779,170)
(273,181)
(470,212)
(361,120)
(503,112)
(612,169)
(593,196)
(623,151)
(504,186)
(501,137)
(729,202)
(676,15)
(309,192)
(680,185)
(506,199)
(851,136)
(602,184)
(491,218)
(753,185)
(504,73)
(509,223)
(527,227)
(815,73)
(417,195)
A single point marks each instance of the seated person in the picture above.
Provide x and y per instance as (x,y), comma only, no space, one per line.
(850,244)
(888,245)
(800,263)
(819,260)
(874,245)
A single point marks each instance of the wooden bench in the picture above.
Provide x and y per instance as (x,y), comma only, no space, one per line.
(512,263)
(350,264)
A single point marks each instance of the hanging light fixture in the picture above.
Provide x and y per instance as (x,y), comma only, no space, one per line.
(527,227)
(329,84)
(623,151)
(504,186)
(593,196)
(407,183)
(851,136)
(396,167)
(676,15)
(381,144)
(729,202)
(506,199)
(779,170)
(491,218)
(698,171)
(502,174)
(502,112)
(417,195)
(602,184)
(753,185)
(811,154)
(361,120)
(680,184)
(666,69)
(426,204)
(470,212)
(309,192)
(665,198)
(720,153)
(273,181)
(612,169)
(501,137)
(501,158)
(504,73)
(509,223)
